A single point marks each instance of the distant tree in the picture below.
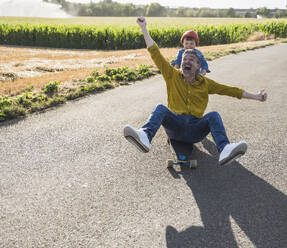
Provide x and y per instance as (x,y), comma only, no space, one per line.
(114,8)
(181,12)
(231,12)
(205,12)
(263,12)
(281,13)
(140,11)
(247,14)
(155,9)
(191,12)
(217,13)
(61,2)
(128,10)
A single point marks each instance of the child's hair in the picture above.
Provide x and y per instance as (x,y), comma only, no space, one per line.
(189,38)
(190,34)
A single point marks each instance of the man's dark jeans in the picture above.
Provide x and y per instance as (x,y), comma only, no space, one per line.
(187,128)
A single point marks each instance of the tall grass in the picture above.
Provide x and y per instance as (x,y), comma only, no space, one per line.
(114,38)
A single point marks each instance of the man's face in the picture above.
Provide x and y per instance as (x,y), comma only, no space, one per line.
(188,44)
(189,64)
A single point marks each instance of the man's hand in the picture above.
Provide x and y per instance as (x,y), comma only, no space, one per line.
(141,22)
(262,95)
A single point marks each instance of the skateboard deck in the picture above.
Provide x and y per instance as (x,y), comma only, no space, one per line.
(181,152)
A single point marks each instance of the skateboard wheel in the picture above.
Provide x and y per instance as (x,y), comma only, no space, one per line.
(193,163)
(169,163)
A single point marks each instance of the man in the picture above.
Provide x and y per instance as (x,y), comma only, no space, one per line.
(187,93)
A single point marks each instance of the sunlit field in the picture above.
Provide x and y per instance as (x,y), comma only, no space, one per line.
(130,21)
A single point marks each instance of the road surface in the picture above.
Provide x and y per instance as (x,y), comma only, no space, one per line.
(68,178)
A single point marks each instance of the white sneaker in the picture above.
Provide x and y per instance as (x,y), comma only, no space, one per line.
(232,151)
(137,137)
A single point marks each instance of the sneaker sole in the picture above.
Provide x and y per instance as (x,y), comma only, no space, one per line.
(130,136)
(235,154)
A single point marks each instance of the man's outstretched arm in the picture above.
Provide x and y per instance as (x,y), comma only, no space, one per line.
(221,89)
(261,96)
(142,23)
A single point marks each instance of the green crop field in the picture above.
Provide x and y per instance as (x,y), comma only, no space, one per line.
(130,21)
(123,33)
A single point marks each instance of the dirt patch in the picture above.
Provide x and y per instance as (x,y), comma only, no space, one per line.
(23,66)
(256,36)
(8,76)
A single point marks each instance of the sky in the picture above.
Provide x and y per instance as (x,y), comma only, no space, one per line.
(30,8)
(238,4)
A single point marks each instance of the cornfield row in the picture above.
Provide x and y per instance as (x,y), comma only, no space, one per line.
(114,38)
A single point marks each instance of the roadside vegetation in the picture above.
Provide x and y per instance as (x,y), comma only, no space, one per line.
(51,95)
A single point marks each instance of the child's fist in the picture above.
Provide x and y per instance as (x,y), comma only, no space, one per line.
(203,72)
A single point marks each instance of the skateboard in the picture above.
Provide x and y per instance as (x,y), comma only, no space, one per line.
(181,152)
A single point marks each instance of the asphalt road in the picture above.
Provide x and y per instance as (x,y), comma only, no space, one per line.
(68,178)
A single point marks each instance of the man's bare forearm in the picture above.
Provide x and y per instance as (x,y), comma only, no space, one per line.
(148,40)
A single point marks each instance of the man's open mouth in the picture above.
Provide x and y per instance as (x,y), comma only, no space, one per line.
(187,68)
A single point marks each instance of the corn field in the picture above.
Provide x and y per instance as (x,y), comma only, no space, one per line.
(120,38)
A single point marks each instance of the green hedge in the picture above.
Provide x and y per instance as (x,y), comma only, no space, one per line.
(113,38)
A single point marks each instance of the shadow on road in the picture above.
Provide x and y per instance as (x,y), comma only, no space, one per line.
(222,193)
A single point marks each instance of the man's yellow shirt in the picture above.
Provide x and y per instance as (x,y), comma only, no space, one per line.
(185,98)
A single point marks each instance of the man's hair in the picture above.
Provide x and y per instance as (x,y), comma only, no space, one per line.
(192,52)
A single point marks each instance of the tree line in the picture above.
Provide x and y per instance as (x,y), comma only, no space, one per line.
(112,8)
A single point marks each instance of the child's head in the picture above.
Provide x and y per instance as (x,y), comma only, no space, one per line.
(189,39)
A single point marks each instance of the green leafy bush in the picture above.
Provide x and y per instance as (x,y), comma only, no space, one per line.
(104,78)
(2,116)
(90,79)
(95,74)
(25,99)
(51,87)
(5,101)
(13,111)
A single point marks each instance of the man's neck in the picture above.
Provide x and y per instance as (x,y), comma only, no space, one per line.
(190,78)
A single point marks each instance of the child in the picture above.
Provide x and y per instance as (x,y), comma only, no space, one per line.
(189,40)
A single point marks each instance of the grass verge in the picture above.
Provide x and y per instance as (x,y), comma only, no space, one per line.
(51,95)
